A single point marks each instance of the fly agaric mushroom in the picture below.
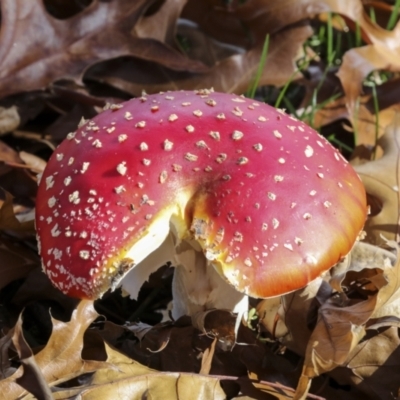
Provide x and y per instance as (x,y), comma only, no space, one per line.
(240,195)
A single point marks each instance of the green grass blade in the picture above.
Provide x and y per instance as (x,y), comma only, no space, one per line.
(252,90)
(393,16)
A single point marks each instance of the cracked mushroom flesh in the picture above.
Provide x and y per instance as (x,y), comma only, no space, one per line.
(270,202)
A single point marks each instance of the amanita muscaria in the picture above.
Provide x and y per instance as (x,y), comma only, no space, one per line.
(215,182)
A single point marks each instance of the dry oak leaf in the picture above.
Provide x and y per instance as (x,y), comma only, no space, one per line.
(161,25)
(60,360)
(127,379)
(32,378)
(232,74)
(37,49)
(364,121)
(258,17)
(381,52)
(381,181)
(8,219)
(17,261)
(373,366)
(340,329)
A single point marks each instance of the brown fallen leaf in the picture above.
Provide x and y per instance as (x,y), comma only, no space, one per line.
(373,366)
(206,360)
(342,321)
(161,24)
(364,257)
(60,360)
(32,378)
(232,74)
(17,261)
(9,119)
(381,181)
(381,52)
(359,62)
(365,123)
(9,221)
(131,380)
(102,30)
(34,163)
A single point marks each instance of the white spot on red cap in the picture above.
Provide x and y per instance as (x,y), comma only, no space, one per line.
(121,168)
(140,124)
(298,241)
(237,135)
(201,144)
(215,135)
(163,176)
(122,137)
(119,189)
(242,160)
(189,128)
(85,166)
(49,182)
(55,231)
(67,180)
(51,202)
(143,146)
(247,262)
(96,143)
(277,134)
(176,167)
(237,111)
(168,145)
(221,158)
(191,157)
(84,254)
(74,197)
(309,151)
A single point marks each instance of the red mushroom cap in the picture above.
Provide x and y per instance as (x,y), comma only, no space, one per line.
(271,202)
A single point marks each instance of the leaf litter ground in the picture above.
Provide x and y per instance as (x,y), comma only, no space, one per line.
(338,337)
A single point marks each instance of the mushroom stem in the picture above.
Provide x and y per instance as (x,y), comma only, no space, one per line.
(197,286)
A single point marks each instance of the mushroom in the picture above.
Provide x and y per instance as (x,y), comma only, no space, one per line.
(244,199)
